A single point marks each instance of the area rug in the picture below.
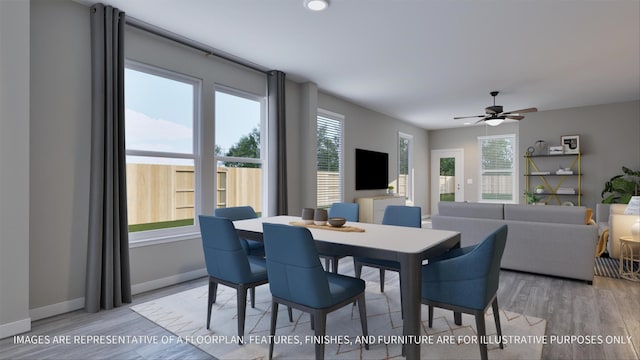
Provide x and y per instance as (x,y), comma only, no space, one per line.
(184,314)
(608,267)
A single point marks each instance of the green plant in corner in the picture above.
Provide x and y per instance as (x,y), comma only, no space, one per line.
(620,188)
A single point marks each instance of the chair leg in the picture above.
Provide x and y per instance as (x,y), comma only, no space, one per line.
(213,287)
(312,321)
(327,264)
(274,321)
(242,309)
(457,318)
(253,297)
(335,264)
(482,335)
(357,269)
(215,291)
(320,331)
(430,316)
(362,308)
(381,280)
(496,317)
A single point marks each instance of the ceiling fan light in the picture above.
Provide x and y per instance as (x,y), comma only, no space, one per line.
(494,122)
(316,5)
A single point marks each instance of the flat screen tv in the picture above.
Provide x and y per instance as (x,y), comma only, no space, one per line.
(372,170)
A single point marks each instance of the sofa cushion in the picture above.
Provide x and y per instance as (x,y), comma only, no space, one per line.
(549,214)
(470,210)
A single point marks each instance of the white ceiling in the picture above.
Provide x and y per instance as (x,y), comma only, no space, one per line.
(426,61)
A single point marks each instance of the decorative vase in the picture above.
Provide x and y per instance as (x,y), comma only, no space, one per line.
(541,148)
(307,215)
(320,217)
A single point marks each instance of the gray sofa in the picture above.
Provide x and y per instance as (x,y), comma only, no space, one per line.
(549,240)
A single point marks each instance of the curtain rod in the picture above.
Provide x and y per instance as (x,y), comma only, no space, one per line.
(139,24)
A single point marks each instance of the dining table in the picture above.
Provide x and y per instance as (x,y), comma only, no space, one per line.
(407,245)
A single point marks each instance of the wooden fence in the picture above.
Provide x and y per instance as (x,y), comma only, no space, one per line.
(159,193)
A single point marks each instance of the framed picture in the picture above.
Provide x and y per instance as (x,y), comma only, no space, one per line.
(570,144)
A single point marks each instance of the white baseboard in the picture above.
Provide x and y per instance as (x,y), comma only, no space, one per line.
(167,281)
(56,309)
(14,328)
(76,304)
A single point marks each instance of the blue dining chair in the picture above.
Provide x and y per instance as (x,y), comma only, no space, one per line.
(399,215)
(299,281)
(349,211)
(251,247)
(466,280)
(229,265)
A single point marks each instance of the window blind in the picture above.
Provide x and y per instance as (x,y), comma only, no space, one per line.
(497,164)
(329,160)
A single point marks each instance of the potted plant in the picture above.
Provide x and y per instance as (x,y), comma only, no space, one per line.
(531,198)
(539,189)
(390,189)
(620,188)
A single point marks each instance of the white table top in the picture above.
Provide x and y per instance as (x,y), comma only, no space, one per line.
(383,237)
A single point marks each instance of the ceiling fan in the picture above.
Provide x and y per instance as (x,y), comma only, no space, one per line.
(494,115)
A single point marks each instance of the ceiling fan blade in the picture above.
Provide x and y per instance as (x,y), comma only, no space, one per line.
(515,117)
(479,121)
(521,111)
(468,117)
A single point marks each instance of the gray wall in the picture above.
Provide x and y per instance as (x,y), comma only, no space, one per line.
(608,140)
(14,167)
(60,147)
(363,128)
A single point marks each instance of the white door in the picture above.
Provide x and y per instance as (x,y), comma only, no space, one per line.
(447,176)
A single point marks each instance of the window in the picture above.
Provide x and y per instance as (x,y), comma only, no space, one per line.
(238,149)
(329,158)
(405,166)
(498,168)
(160,117)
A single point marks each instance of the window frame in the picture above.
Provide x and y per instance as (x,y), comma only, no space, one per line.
(409,188)
(262,160)
(514,170)
(150,237)
(341,120)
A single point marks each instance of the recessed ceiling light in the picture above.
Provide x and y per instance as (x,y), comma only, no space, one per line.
(316,5)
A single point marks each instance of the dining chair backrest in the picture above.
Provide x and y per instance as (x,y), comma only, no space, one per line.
(402,215)
(224,257)
(486,264)
(293,266)
(348,211)
(236,213)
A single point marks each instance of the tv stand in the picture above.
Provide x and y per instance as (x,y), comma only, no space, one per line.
(372,207)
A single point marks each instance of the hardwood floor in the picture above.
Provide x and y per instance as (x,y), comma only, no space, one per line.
(609,307)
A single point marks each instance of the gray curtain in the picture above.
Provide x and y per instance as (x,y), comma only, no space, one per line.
(108,282)
(275,85)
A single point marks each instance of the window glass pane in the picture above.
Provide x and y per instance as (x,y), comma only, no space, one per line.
(160,192)
(159,113)
(239,184)
(497,159)
(329,161)
(239,172)
(404,184)
(237,126)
